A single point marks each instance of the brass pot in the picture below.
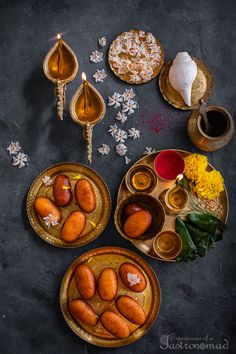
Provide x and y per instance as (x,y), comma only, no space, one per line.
(203,141)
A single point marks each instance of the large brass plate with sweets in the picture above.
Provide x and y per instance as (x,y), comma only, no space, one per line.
(96,221)
(201,88)
(136,56)
(125,193)
(111,257)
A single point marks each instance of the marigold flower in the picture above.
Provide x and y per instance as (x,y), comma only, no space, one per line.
(209,185)
(195,166)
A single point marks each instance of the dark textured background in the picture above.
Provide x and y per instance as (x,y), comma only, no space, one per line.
(199,297)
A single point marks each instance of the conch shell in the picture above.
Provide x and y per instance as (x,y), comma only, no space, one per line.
(182,74)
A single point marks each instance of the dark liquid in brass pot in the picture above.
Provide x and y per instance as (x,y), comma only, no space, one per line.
(218,124)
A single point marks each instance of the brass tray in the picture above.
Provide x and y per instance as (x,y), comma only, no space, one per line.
(97,219)
(159,192)
(202,86)
(99,259)
(125,77)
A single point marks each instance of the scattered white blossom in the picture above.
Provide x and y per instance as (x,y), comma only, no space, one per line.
(47,180)
(121,117)
(96,57)
(104,149)
(13,148)
(50,220)
(113,129)
(20,160)
(134,133)
(115,100)
(128,94)
(133,279)
(121,149)
(127,160)
(129,106)
(120,136)
(149,150)
(102,41)
(99,75)
(135,78)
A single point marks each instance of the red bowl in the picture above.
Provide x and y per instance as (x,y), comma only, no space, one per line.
(169,164)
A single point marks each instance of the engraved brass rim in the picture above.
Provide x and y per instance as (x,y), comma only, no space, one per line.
(100,216)
(156,71)
(98,259)
(146,246)
(174,98)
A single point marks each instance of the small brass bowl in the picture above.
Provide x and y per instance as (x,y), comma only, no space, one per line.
(147,202)
(145,176)
(180,207)
(167,244)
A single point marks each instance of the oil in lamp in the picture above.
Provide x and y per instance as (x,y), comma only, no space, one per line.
(60,66)
(87,108)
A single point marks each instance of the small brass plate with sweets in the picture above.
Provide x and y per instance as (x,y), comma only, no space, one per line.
(162,187)
(201,88)
(136,56)
(96,220)
(112,257)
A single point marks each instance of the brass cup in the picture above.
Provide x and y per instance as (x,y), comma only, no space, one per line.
(143,169)
(203,141)
(147,202)
(171,207)
(167,245)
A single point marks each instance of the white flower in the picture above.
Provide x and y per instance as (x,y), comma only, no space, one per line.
(96,56)
(149,150)
(150,38)
(99,75)
(104,149)
(120,136)
(113,129)
(13,148)
(121,149)
(133,279)
(135,78)
(102,41)
(115,100)
(121,117)
(142,34)
(47,180)
(129,106)
(127,160)
(20,160)
(128,94)
(134,133)
(50,220)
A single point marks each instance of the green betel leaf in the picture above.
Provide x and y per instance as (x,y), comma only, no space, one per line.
(209,223)
(189,250)
(202,239)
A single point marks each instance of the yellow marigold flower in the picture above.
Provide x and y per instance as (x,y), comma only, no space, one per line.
(209,185)
(195,165)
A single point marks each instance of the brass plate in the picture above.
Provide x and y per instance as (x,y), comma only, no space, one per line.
(202,86)
(99,216)
(99,259)
(146,246)
(125,77)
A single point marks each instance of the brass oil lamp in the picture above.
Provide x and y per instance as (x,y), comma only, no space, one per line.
(87,108)
(60,66)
